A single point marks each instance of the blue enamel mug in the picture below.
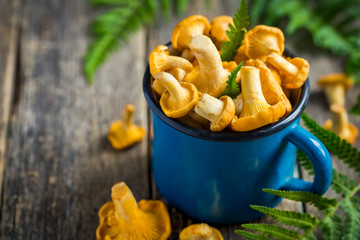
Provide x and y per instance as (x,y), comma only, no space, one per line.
(214,177)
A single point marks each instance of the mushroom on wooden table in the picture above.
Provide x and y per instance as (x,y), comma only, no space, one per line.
(335,85)
(124,218)
(125,133)
(200,231)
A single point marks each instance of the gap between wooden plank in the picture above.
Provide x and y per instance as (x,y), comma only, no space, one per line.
(8,71)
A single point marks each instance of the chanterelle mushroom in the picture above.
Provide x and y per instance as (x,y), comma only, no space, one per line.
(339,123)
(160,60)
(335,86)
(179,98)
(210,76)
(200,231)
(186,29)
(272,91)
(218,111)
(295,71)
(263,40)
(124,218)
(256,111)
(125,133)
(219,26)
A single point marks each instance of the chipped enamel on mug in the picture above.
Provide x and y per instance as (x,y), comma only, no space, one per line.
(216,176)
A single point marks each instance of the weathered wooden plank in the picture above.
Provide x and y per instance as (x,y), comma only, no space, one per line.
(9,20)
(60,166)
(161,34)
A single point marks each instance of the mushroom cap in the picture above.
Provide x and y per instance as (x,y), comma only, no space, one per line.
(200,231)
(179,98)
(160,60)
(262,118)
(226,116)
(187,28)
(146,220)
(294,82)
(123,134)
(219,26)
(336,78)
(263,40)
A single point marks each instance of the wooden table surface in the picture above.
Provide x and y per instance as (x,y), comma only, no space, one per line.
(56,165)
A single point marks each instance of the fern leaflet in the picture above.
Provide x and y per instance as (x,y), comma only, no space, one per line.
(339,147)
(331,227)
(299,220)
(232,87)
(236,33)
(272,231)
(251,236)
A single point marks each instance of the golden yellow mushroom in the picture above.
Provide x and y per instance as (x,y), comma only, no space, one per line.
(186,29)
(125,133)
(210,76)
(219,112)
(219,26)
(339,123)
(256,111)
(179,98)
(295,71)
(124,218)
(200,231)
(272,91)
(263,40)
(160,60)
(335,85)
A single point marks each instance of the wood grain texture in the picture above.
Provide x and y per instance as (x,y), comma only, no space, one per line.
(161,34)
(10,13)
(60,166)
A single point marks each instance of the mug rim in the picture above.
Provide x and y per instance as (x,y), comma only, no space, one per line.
(227,136)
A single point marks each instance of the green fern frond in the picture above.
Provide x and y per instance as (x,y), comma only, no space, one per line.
(339,147)
(306,197)
(300,220)
(236,33)
(108,2)
(112,26)
(309,236)
(305,162)
(181,6)
(352,221)
(271,230)
(251,236)
(99,50)
(331,227)
(232,87)
(342,184)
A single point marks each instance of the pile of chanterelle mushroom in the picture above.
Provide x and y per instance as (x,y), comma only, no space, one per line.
(190,76)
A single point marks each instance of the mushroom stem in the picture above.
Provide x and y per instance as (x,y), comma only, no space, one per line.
(128,115)
(282,64)
(124,201)
(340,119)
(254,100)
(171,85)
(207,54)
(187,54)
(209,107)
(335,93)
(174,61)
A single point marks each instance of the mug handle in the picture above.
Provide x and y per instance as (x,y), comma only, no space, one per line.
(319,157)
